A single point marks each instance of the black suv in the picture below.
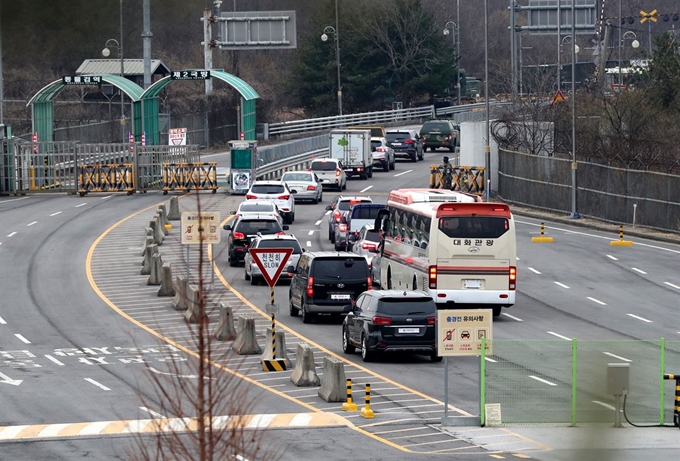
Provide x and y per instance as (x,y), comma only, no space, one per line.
(325,281)
(244,229)
(391,321)
(406,144)
(440,133)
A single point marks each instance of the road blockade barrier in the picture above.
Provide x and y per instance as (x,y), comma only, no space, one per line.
(106,178)
(164,216)
(148,259)
(676,406)
(366,411)
(542,238)
(189,176)
(280,346)
(166,289)
(195,306)
(333,385)
(148,240)
(304,374)
(246,342)
(156,269)
(225,328)
(468,179)
(179,302)
(173,214)
(621,242)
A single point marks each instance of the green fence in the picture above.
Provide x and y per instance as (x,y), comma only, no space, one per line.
(565,382)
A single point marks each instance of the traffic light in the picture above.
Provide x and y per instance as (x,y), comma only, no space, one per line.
(674,16)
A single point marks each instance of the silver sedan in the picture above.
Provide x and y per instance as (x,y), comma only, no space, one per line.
(306,184)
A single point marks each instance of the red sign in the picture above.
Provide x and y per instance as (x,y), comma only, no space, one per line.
(271,262)
(35,139)
(131,138)
(242,136)
(559,97)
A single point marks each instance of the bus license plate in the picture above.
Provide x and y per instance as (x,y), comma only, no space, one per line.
(340,296)
(472,283)
(409,330)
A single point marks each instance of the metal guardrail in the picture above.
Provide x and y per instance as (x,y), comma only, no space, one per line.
(269,154)
(274,170)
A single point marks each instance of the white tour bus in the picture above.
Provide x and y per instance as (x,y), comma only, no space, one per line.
(462,251)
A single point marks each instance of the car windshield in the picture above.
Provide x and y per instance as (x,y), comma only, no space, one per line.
(406,306)
(341,268)
(267,189)
(323,166)
(297,177)
(344,205)
(440,126)
(256,207)
(287,243)
(397,137)
(253,226)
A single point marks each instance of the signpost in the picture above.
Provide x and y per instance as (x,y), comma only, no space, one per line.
(200,227)
(271,262)
(243,154)
(177,137)
(460,333)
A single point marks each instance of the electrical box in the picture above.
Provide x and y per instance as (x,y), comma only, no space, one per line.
(618,378)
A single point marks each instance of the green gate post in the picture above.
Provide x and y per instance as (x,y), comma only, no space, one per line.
(662,389)
(573,382)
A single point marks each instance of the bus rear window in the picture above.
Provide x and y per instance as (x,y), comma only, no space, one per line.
(473,226)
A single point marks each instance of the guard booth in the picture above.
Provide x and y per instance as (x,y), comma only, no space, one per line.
(243,166)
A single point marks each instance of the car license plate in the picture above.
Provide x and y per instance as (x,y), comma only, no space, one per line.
(409,330)
(396,144)
(472,283)
(338,297)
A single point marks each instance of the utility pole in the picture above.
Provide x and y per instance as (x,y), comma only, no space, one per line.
(146,42)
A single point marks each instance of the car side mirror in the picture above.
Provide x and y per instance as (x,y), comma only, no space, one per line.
(232,212)
(290,269)
(347,308)
(329,208)
(227,227)
(343,220)
(285,227)
(372,148)
(293,191)
(353,238)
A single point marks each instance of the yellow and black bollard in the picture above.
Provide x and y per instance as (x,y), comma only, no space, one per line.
(349,405)
(366,412)
(273,337)
(676,406)
(542,238)
(621,242)
(273,364)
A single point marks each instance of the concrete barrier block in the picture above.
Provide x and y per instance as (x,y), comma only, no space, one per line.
(334,384)
(194,308)
(304,374)
(148,239)
(281,352)
(173,213)
(159,235)
(179,302)
(158,216)
(164,217)
(246,342)
(225,328)
(167,288)
(148,259)
(156,269)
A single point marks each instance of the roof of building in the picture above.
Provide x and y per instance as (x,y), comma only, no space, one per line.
(112,66)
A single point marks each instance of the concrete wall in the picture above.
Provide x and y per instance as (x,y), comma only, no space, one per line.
(472,145)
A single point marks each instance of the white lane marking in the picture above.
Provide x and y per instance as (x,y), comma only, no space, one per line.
(108,196)
(597,301)
(54,360)
(544,381)
(517,258)
(327,212)
(22,338)
(612,257)
(533,270)
(639,318)
(585,234)
(490,360)
(2,321)
(512,317)
(54,214)
(82,204)
(311,232)
(561,285)
(155,414)
(31,223)
(15,199)
(640,271)
(606,405)
(318,222)
(404,172)
(13,233)
(92,381)
(309,244)
(672,285)
(618,357)
(301,419)
(366,188)
(559,336)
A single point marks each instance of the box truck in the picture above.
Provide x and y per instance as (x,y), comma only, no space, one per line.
(353,147)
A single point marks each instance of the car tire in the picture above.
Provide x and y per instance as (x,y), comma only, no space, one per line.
(338,247)
(320,197)
(347,347)
(344,185)
(292,310)
(366,355)
(332,237)
(306,316)
(233,262)
(497,311)
(386,166)
(394,164)
(246,277)
(370,172)
(414,157)
(289,218)
(254,280)
(435,358)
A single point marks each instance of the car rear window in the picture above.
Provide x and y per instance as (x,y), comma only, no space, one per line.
(256,207)
(324,166)
(341,268)
(396,137)
(438,126)
(365,212)
(253,226)
(406,306)
(345,205)
(373,236)
(267,189)
(281,244)
(376,144)
(296,177)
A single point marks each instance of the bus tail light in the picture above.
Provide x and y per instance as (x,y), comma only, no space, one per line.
(432,277)
(310,287)
(513,277)
(378,320)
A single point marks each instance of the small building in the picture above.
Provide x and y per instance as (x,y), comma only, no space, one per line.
(133,70)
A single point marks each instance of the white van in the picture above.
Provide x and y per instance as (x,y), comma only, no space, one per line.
(330,172)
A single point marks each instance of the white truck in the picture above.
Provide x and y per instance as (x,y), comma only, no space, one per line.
(353,147)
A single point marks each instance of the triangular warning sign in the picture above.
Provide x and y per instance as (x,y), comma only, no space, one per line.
(271,262)
(559,97)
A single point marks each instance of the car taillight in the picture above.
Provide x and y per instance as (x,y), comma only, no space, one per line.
(310,287)
(338,172)
(369,282)
(368,246)
(336,215)
(284,197)
(342,227)
(381,149)
(432,277)
(431,320)
(280,233)
(239,235)
(250,196)
(513,277)
(450,136)
(377,320)
(409,141)
(311,187)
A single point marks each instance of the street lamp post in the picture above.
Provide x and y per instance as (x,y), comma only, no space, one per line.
(576,49)
(336,34)
(113,43)
(453,29)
